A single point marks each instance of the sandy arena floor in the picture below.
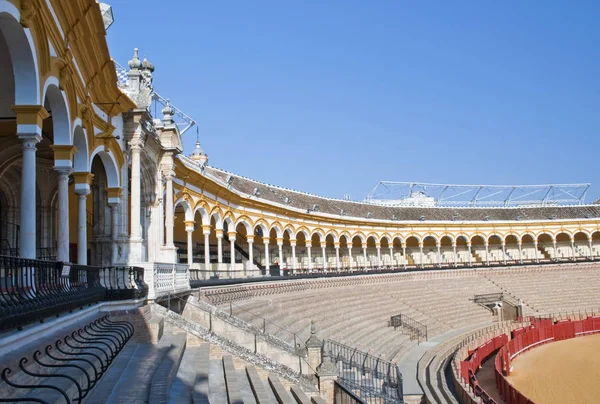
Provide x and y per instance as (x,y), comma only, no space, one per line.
(560,372)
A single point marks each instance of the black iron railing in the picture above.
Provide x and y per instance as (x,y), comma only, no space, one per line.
(369,377)
(409,326)
(76,363)
(32,290)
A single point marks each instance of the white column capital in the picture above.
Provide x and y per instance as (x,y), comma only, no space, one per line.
(29,140)
(63,170)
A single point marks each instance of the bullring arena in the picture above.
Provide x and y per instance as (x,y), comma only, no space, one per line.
(134,271)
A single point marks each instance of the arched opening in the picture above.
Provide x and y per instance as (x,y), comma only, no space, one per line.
(413,251)
(564,250)
(463,252)
(513,253)
(446,251)
(581,245)
(529,250)
(371,252)
(430,251)
(19,86)
(358,257)
(596,243)
(478,249)
(316,252)
(302,251)
(546,247)
(495,251)
(344,253)
(101,216)
(386,253)
(398,259)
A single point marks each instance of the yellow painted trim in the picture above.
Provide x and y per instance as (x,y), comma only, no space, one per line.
(83,178)
(30,114)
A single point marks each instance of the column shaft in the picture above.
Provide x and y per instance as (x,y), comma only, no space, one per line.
(28,198)
(63,214)
(82,228)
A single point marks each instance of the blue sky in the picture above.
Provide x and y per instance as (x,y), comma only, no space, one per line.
(331,97)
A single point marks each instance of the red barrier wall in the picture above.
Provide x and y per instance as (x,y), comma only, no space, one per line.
(524,339)
(469,367)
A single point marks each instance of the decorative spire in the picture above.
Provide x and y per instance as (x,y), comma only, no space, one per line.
(135,63)
(198,154)
(168,112)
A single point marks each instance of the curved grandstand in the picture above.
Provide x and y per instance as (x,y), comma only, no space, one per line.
(175,281)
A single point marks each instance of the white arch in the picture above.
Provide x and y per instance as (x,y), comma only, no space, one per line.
(22,53)
(58,107)
(230,224)
(305,232)
(80,159)
(110,166)
(186,208)
(218,220)
(278,230)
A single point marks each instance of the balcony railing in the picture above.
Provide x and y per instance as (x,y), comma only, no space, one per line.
(165,278)
(32,290)
(371,378)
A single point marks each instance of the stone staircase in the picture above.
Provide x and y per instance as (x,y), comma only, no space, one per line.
(178,368)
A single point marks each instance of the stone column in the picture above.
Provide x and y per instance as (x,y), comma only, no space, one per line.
(169,210)
(350,256)
(378,247)
(554,247)
(232,235)
(114,231)
(294,265)
(591,251)
(280,248)
(404,255)
(114,199)
(337,255)
(504,252)
(189,228)
(364,247)
(535,246)
(219,233)
(309,257)
(135,238)
(391,256)
(206,232)
(487,254)
(454,254)
(470,255)
(267,263)
(63,213)
(82,189)
(439,256)
(519,244)
(250,239)
(29,130)
(82,226)
(573,250)
(421,254)
(323,245)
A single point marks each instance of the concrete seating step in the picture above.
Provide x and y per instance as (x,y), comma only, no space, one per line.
(245,388)
(282,395)
(182,387)
(232,385)
(217,392)
(134,383)
(105,386)
(262,394)
(299,395)
(201,387)
(166,370)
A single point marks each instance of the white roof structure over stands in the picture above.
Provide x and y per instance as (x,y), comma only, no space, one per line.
(390,193)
